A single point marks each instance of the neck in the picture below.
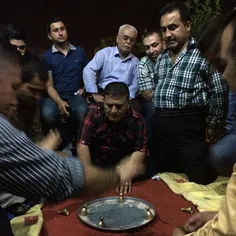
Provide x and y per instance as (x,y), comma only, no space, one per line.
(62,47)
(123,55)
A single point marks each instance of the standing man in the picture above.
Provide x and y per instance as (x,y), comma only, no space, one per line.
(220,38)
(189,99)
(65,64)
(153,45)
(114,64)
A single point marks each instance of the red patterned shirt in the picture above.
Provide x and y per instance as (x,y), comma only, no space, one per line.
(109,142)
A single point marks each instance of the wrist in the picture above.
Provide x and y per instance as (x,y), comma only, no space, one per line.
(183,229)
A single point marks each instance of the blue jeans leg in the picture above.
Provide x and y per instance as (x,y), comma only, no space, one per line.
(230,121)
(222,155)
(49,111)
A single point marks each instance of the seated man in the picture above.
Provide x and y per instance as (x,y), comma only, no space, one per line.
(112,64)
(219,34)
(65,64)
(112,131)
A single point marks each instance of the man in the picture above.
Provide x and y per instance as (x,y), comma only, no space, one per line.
(112,131)
(17,38)
(153,46)
(65,64)
(212,223)
(187,93)
(113,64)
(27,170)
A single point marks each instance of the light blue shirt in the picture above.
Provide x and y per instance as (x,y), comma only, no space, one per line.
(107,66)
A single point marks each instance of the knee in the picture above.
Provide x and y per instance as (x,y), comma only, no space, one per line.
(48,115)
(80,111)
(216,158)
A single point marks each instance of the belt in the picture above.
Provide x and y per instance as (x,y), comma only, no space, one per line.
(171,112)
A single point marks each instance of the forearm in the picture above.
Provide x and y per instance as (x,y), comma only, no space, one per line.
(147,94)
(54,94)
(84,154)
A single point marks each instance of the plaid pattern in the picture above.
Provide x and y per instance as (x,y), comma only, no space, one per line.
(189,82)
(145,74)
(108,142)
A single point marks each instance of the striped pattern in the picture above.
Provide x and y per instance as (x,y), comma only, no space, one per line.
(28,171)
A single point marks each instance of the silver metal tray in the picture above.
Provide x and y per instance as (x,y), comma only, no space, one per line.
(117,213)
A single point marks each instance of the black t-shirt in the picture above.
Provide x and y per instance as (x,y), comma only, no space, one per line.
(5,227)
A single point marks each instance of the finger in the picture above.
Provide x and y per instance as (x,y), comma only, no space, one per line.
(118,189)
(130,187)
(122,189)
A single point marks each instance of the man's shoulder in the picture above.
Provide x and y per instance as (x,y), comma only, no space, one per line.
(136,116)
(47,53)
(144,61)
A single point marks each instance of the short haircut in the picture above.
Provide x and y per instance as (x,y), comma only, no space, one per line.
(149,33)
(127,26)
(32,68)
(54,20)
(177,6)
(117,89)
(9,53)
(13,32)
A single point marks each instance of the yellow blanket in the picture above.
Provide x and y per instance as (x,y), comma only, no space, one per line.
(29,224)
(205,197)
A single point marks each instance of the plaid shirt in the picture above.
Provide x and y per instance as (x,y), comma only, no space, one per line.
(108,142)
(189,82)
(145,74)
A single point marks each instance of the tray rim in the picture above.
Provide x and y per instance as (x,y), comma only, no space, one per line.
(116,229)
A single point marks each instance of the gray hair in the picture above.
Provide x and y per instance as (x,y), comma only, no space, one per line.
(131,27)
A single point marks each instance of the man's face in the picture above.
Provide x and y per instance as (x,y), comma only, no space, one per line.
(175,31)
(31,91)
(227,59)
(116,108)
(20,45)
(126,40)
(58,33)
(10,79)
(153,46)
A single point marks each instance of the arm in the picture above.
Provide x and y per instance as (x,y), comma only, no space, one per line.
(90,72)
(145,81)
(133,88)
(84,154)
(218,99)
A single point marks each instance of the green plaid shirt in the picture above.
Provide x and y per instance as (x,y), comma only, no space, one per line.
(189,82)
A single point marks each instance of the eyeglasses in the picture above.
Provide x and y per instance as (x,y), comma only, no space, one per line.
(126,38)
(118,106)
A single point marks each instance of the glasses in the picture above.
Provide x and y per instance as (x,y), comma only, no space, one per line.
(126,38)
(118,106)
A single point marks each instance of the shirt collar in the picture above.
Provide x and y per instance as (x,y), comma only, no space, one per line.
(116,53)
(71,47)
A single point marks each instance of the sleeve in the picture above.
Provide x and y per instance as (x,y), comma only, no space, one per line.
(46,62)
(30,172)
(223,223)
(133,88)
(144,79)
(141,140)
(218,99)
(87,129)
(90,72)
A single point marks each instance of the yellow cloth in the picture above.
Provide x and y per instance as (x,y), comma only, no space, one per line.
(205,197)
(224,221)
(18,223)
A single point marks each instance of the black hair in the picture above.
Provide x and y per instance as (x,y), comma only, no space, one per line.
(117,89)
(31,68)
(177,6)
(54,20)
(13,32)
(149,33)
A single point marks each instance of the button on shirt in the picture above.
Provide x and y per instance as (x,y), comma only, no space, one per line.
(189,82)
(67,71)
(107,66)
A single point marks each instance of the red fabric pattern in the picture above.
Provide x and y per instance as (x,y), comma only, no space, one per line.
(157,193)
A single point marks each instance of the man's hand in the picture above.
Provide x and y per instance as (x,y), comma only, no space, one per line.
(128,169)
(98,97)
(80,92)
(211,135)
(62,105)
(124,188)
(198,220)
(178,232)
(51,141)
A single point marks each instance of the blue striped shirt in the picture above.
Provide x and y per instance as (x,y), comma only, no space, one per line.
(28,171)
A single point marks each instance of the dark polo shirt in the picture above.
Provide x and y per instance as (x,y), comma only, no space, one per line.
(66,70)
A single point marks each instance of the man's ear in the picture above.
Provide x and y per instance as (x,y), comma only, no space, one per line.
(188,26)
(49,36)
(117,38)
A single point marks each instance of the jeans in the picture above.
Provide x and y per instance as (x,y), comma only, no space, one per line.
(51,115)
(230,121)
(222,155)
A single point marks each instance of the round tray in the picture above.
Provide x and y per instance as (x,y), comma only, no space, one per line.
(130,214)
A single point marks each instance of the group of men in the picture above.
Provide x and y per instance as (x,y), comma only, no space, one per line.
(182,98)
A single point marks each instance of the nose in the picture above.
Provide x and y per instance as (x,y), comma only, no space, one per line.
(114,109)
(60,32)
(151,50)
(167,33)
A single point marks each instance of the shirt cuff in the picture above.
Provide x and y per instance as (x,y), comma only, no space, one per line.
(77,173)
